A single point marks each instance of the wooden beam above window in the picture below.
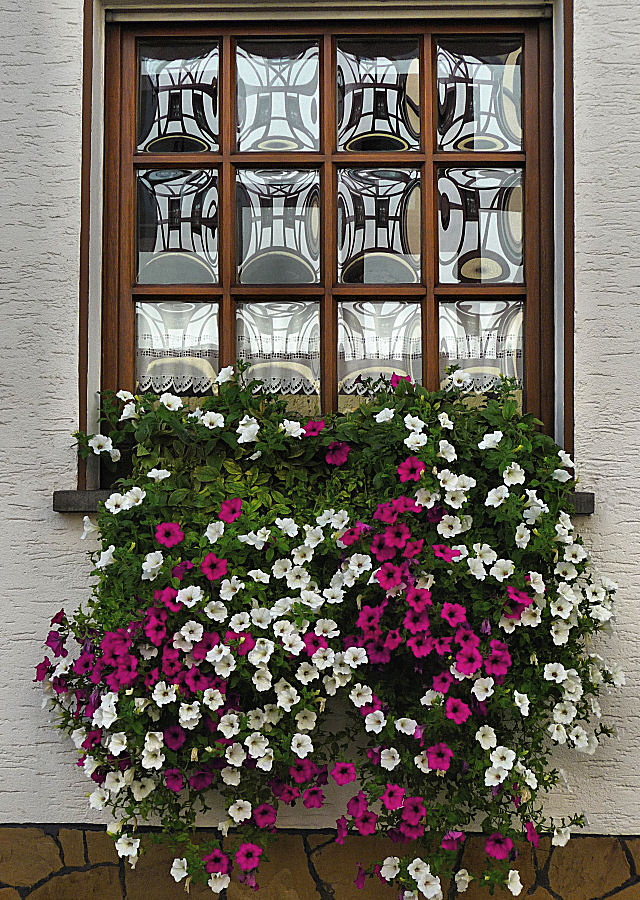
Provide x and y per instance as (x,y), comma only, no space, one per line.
(279,10)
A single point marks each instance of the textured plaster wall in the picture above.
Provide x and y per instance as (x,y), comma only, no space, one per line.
(42,561)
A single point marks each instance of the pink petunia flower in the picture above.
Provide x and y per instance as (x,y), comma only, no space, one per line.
(357,805)
(174,737)
(498,846)
(313,798)
(217,861)
(453,613)
(248,856)
(393,796)
(361,878)
(413,810)
(444,552)
(173,780)
(396,535)
(230,510)
(169,534)
(411,469)
(343,773)
(342,830)
(213,567)
(389,576)
(385,512)
(313,429)
(452,840)
(439,757)
(181,569)
(396,379)
(456,710)
(265,815)
(366,823)
(532,835)
(337,453)
(468,660)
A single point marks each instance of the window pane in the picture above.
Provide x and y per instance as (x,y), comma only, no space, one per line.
(379,232)
(178,98)
(480,225)
(375,339)
(281,342)
(277,95)
(177,226)
(176,347)
(484,338)
(479,94)
(278,226)
(378,95)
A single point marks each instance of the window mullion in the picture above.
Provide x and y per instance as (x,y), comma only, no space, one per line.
(227,216)
(429,214)
(328,312)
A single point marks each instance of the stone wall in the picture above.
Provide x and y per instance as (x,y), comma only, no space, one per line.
(66,863)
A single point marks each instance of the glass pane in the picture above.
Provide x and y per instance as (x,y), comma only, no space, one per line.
(483,337)
(479,94)
(177,226)
(176,347)
(378,95)
(480,225)
(379,233)
(278,226)
(178,98)
(277,95)
(375,339)
(281,342)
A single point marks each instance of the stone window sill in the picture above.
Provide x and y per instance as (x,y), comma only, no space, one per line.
(87,501)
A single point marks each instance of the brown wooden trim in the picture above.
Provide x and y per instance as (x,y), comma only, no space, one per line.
(201,292)
(328,232)
(128,221)
(531,225)
(545,130)
(569,229)
(481,291)
(430,327)
(85,228)
(227,217)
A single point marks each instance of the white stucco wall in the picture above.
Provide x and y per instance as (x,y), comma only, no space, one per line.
(43,563)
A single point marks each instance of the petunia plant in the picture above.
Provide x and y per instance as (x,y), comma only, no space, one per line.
(393,600)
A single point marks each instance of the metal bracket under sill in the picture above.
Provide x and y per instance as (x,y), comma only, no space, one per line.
(584,502)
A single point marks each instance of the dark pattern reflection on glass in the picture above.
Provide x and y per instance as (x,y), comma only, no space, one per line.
(177,347)
(479,95)
(178,98)
(281,342)
(379,232)
(378,95)
(376,339)
(278,226)
(480,225)
(484,338)
(177,226)
(277,95)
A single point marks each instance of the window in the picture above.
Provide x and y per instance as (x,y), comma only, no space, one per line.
(328,205)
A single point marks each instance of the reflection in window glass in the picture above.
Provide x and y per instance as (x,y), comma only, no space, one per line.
(479,94)
(376,339)
(278,226)
(379,234)
(480,225)
(484,338)
(177,347)
(278,95)
(281,342)
(177,226)
(378,95)
(178,98)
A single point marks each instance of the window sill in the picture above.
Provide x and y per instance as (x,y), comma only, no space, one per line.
(87,501)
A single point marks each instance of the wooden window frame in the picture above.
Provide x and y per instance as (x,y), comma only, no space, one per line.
(120,160)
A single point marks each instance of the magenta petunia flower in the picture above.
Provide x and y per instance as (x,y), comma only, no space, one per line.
(411,469)
(213,567)
(289,794)
(396,379)
(468,660)
(59,618)
(265,815)
(173,780)
(389,576)
(357,805)
(392,639)
(181,569)
(456,710)
(396,535)
(55,643)
(393,796)
(453,613)
(42,669)
(404,504)
(230,510)
(341,830)
(200,780)
(174,737)
(380,549)
(418,598)
(413,548)
(452,840)
(416,621)
(445,552)
(439,757)
(169,534)
(343,773)
(386,513)
(167,596)
(442,682)
(532,835)
(498,846)
(361,878)
(337,453)
(313,429)
(420,645)
(248,856)
(313,798)
(366,823)
(413,809)
(217,861)
(352,535)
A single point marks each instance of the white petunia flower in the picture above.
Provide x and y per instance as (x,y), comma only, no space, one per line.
(513,474)
(447,451)
(218,882)
(98,798)
(463,880)
(486,737)
(158,475)
(503,757)
(491,440)
(135,496)
(127,846)
(406,726)
(224,375)
(231,776)
(445,421)
(142,788)
(240,811)
(522,702)
(375,721)
(449,526)
(292,429)
(558,733)
(413,423)
(106,557)
(151,565)
(116,502)
(389,759)
(477,569)
(555,671)
(235,754)
(247,430)
(495,775)
(88,528)
(124,395)
(561,836)
(523,535)
(163,693)
(99,443)
(416,440)
(385,415)
(178,869)
(212,420)
(301,745)
(390,868)
(482,688)
(513,882)
(497,496)
(171,402)
(501,569)
(562,475)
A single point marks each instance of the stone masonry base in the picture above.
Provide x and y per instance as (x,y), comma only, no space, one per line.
(59,862)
